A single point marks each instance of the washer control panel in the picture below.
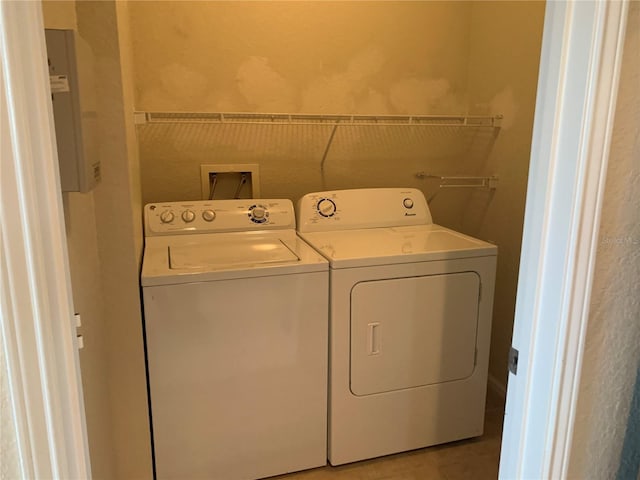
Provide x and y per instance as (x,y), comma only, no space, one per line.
(362,208)
(209,216)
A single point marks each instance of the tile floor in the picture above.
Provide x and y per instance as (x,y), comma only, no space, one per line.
(474,459)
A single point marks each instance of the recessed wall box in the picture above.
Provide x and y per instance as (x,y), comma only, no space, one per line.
(74,109)
(229,181)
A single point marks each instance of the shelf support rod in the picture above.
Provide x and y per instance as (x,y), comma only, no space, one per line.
(328,147)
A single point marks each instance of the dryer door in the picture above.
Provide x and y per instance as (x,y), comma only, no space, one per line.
(412,332)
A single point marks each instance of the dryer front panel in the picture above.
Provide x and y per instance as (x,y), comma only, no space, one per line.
(413,332)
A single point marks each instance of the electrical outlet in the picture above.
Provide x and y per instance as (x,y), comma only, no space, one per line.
(239,180)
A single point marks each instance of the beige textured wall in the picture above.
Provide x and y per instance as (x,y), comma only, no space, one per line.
(506,38)
(104,238)
(88,300)
(86,281)
(118,226)
(128,99)
(612,346)
(59,14)
(308,57)
(314,57)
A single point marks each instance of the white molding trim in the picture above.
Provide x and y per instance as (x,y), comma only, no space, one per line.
(37,322)
(577,88)
(595,146)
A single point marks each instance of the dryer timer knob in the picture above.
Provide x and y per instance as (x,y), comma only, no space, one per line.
(326,207)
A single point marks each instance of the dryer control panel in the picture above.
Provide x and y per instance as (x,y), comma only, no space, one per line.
(211,216)
(362,208)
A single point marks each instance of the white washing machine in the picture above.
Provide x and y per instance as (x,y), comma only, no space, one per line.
(410,322)
(236,325)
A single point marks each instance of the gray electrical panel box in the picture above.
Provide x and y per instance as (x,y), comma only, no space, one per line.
(73,97)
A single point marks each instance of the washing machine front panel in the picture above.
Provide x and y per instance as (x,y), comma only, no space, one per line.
(412,332)
(236,334)
(238,376)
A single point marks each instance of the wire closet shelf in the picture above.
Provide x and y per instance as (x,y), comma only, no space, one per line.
(493,121)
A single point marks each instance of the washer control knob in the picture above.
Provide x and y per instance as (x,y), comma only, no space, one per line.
(188,216)
(209,215)
(167,216)
(326,207)
(258,214)
(408,203)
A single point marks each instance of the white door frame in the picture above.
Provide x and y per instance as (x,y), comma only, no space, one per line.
(577,90)
(37,321)
(576,98)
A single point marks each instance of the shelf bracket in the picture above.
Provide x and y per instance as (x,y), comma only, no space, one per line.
(447,181)
(329,142)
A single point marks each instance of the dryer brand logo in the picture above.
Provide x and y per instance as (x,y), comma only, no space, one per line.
(407,214)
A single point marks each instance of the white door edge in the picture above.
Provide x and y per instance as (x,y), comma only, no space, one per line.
(577,89)
(37,323)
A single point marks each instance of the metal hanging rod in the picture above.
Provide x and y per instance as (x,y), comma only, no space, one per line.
(490,182)
(307,119)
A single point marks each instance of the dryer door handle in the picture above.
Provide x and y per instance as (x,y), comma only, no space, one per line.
(373,338)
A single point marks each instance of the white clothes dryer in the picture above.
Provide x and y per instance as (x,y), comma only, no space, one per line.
(410,322)
(236,313)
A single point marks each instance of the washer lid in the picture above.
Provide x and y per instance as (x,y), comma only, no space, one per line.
(216,253)
(385,246)
(206,257)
